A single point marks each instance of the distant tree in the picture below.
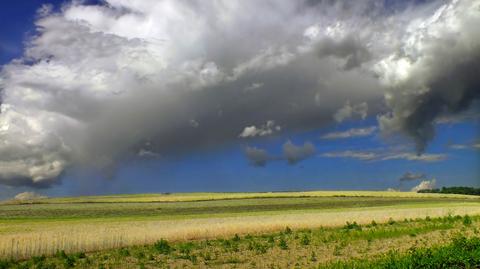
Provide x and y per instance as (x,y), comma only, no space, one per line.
(454,190)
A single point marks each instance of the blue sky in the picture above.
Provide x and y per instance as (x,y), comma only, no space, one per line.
(227,169)
(370,161)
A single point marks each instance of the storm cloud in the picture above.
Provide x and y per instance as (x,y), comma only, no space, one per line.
(100,83)
(294,154)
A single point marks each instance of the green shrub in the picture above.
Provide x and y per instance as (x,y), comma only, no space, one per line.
(69,261)
(467,220)
(271,240)
(283,244)
(162,246)
(305,240)
(61,254)
(80,255)
(5,264)
(257,247)
(352,226)
(186,248)
(124,252)
(460,253)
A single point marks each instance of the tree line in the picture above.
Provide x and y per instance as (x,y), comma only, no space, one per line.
(454,190)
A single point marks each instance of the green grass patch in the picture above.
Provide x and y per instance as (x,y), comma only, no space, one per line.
(461,253)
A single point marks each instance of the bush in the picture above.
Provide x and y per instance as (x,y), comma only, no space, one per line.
(186,248)
(352,226)
(467,221)
(283,244)
(162,246)
(61,254)
(257,247)
(5,264)
(305,240)
(124,252)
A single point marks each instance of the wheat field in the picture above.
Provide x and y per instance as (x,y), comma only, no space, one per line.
(27,235)
(206,196)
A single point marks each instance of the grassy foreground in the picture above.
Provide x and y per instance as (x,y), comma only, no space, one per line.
(97,224)
(420,243)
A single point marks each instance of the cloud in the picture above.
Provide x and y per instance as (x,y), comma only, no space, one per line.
(257,157)
(392,190)
(294,154)
(436,54)
(458,146)
(416,157)
(385,156)
(425,185)
(354,132)
(145,153)
(253,86)
(348,111)
(25,196)
(264,130)
(464,146)
(360,155)
(409,176)
(96,82)
(353,51)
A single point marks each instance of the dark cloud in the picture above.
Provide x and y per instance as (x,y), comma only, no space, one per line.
(294,154)
(257,157)
(409,176)
(434,72)
(291,153)
(352,51)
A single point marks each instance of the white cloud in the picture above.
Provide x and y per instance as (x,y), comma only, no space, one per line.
(416,157)
(354,132)
(348,111)
(25,196)
(266,129)
(253,86)
(385,156)
(425,185)
(464,146)
(458,146)
(360,155)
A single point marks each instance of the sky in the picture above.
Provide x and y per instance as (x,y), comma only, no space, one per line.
(114,96)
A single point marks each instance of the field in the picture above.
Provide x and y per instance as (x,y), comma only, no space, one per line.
(238,230)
